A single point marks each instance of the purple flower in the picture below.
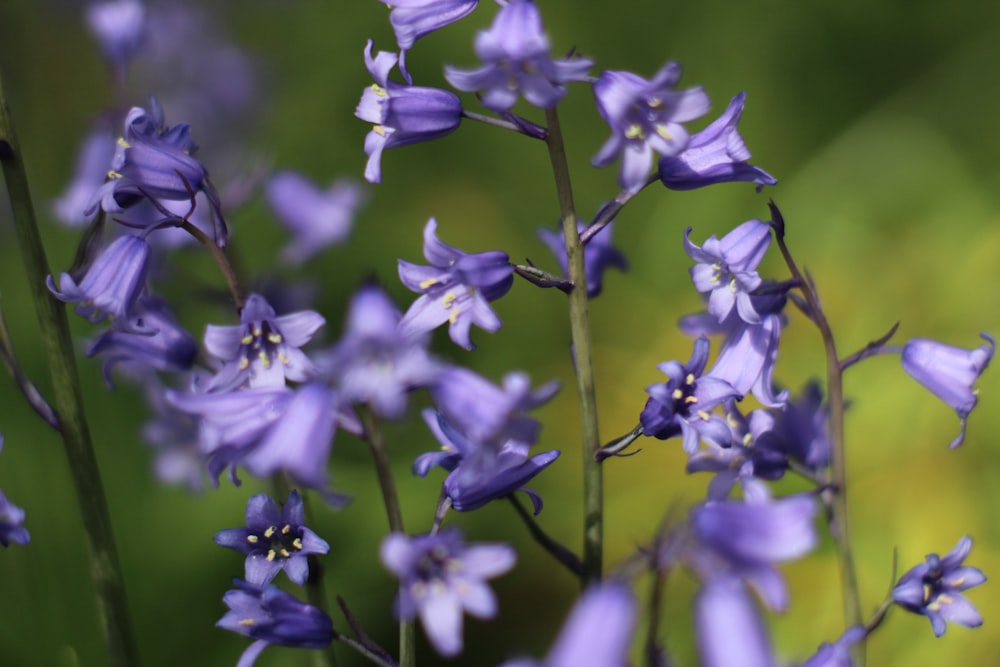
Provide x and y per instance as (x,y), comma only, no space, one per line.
(837,654)
(949,373)
(263,349)
(316,218)
(798,429)
(515,53)
(374,362)
(170,349)
(730,630)
(440,577)
(91,169)
(716,154)
(118,26)
(680,405)
(112,284)
(174,437)
(412,19)
(274,539)
(934,588)
(456,288)
(273,617)
(11,520)
(645,118)
(598,255)
(485,413)
(402,114)
(479,473)
(726,268)
(597,632)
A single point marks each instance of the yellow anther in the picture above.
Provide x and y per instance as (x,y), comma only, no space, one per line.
(453,315)
(112,174)
(633,131)
(253,539)
(271,530)
(271,555)
(123,143)
(283,359)
(677,395)
(379,130)
(691,400)
(654,103)
(244,362)
(662,131)
(264,359)
(246,340)
(732,285)
(689,379)
(424,284)
(378,90)
(247,621)
(284,553)
(297,543)
(257,331)
(286,529)
(449,299)
(274,338)
(703,415)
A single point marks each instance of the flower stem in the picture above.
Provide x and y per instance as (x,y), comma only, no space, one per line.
(383,469)
(565,557)
(67,402)
(219,255)
(593,484)
(836,496)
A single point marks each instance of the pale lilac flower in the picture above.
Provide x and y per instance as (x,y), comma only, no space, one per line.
(949,373)
(412,19)
(730,630)
(716,154)
(440,578)
(92,161)
(456,288)
(934,588)
(645,119)
(316,218)
(598,255)
(516,61)
(118,26)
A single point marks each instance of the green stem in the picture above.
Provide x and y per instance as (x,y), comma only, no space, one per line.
(836,496)
(593,491)
(220,257)
(383,469)
(105,569)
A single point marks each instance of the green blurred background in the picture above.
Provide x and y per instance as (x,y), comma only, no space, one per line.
(878,119)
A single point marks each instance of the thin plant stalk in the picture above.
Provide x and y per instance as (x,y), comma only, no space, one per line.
(593,484)
(67,401)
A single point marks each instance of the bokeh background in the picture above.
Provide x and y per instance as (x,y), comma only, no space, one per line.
(878,119)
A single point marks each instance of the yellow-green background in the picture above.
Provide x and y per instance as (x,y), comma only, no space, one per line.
(878,119)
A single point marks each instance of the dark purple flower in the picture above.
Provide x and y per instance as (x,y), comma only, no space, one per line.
(170,349)
(798,429)
(412,19)
(118,26)
(316,218)
(726,268)
(401,114)
(485,413)
(440,577)
(11,520)
(598,255)
(680,405)
(274,539)
(597,632)
(837,654)
(91,169)
(516,61)
(934,588)
(716,154)
(112,284)
(263,349)
(730,630)
(456,288)
(273,617)
(645,118)
(949,372)
(479,473)
(374,362)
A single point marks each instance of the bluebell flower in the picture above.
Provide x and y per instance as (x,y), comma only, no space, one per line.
(726,268)
(112,285)
(716,154)
(91,168)
(263,350)
(645,117)
(949,373)
(837,654)
(273,617)
(401,114)
(274,539)
(374,362)
(412,19)
(316,218)
(456,288)
(440,577)
(598,255)
(680,406)
(597,631)
(174,437)
(516,61)
(934,588)
(798,429)
(11,520)
(479,473)
(118,26)
(730,630)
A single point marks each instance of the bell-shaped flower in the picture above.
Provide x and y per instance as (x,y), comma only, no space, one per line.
(456,288)
(93,157)
(412,19)
(274,539)
(726,268)
(716,154)
(949,373)
(273,617)
(11,520)
(263,350)
(598,255)
(798,430)
(440,577)
(112,285)
(516,61)
(934,588)
(730,629)
(316,218)
(401,114)
(645,118)
(837,654)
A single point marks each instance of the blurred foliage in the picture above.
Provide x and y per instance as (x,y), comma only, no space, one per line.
(878,120)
